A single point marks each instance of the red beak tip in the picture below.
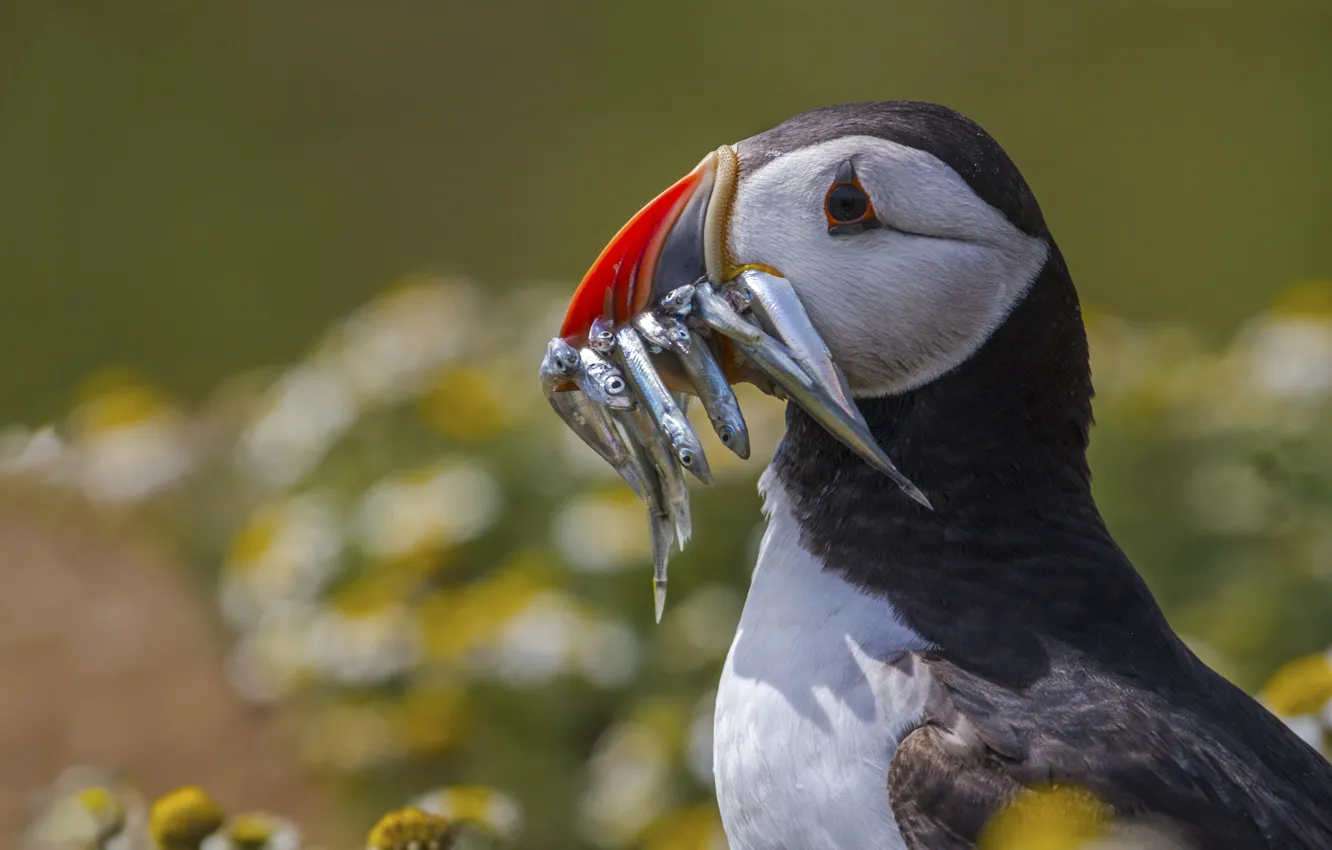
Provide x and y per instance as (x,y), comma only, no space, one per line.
(615,283)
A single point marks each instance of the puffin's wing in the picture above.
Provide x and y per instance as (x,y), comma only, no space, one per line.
(1224,773)
(942,799)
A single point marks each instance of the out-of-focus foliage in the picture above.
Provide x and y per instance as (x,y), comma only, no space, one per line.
(433,582)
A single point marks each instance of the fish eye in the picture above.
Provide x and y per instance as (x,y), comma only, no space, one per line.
(847,206)
(686,457)
(614,385)
(726,435)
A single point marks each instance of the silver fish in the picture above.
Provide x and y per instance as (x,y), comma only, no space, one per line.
(679,301)
(653,394)
(590,421)
(643,433)
(843,421)
(601,336)
(602,380)
(561,360)
(665,332)
(779,310)
(660,526)
(718,399)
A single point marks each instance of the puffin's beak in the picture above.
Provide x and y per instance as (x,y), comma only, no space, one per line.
(678,240)
(663,246)
(662,310)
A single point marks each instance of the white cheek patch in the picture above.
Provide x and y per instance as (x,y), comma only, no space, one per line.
(896,309)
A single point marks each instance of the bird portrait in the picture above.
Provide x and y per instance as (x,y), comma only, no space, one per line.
(939,623)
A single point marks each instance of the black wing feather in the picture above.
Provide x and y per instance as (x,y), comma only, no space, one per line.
(1221,771)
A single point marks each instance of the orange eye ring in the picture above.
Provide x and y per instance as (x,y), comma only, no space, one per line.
(847,206)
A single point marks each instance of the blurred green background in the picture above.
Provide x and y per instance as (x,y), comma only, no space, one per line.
(201,188)
(201,207)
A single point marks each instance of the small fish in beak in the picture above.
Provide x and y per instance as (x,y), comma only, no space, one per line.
(602,381)
(653,395)
(843,421)
(662,296)
(663,331)
(592,422)
(679,301)
(709,381)
(674,492)
(601,336)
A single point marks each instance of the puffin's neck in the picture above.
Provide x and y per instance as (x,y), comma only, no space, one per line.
(999,446)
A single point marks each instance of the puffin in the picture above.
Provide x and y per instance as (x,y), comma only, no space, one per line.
(914,656)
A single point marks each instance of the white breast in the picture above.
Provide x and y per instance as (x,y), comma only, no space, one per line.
(810,708)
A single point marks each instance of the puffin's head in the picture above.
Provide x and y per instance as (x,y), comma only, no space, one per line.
(905,231)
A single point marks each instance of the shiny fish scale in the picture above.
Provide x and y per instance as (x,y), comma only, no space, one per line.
(716,395)
(653,395)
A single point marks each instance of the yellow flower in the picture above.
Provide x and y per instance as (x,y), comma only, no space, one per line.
(1302,686)
(1057,817)
(256,831)
(182,819)
(489,809)
(282,558)
(428,509)
(410,829)
(456,622)
(107,810)
(87,808)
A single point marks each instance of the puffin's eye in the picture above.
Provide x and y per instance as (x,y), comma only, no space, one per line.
(847,206)
(847,203)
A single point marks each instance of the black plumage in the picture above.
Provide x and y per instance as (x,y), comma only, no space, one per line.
(1052,661)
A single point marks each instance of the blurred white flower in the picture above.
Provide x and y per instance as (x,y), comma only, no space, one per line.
(268,662)
(628,785)
(1289,356)
(127,443)
(536,644)
(39,452)
(603,531)
(389,349)
(281,559)
(447,502)
(475,804)
(363,647)
(255,831)
(87,807)
(306,412)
